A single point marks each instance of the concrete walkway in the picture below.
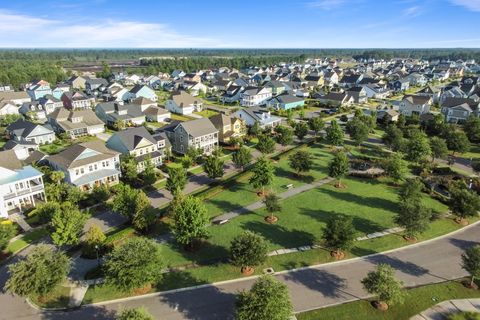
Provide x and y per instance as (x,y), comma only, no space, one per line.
(444,309)
(19,218)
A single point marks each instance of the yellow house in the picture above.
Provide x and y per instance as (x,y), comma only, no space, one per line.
(228,127)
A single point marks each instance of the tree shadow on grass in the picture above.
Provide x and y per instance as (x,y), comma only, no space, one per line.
(191,304)
(279,235)
(92,312)
(206,253)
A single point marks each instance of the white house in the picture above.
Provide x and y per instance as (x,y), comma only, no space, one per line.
(183,103)
(415,104)
(253,96)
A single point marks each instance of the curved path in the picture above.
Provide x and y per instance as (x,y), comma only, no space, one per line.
(314,287)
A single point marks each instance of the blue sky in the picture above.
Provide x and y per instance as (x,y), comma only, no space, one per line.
(243,24)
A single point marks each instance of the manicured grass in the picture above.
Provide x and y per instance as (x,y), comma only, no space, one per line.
(416,301)
(180,117)
(59,145)
(30,237)
(156,124)
(206,113)
(58,298)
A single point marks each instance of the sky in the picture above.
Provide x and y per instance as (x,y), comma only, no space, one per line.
(240,24)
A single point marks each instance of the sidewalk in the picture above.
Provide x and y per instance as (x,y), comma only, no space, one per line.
(444,309)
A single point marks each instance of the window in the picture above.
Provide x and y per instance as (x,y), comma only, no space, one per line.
(81,170)
(90,168)
(96,168)
(77,172)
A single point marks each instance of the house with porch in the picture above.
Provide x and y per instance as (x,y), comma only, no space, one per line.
(76,123)
(77,100)
(286,101)
(22,130)
(198,133)
(182,102)
(228,127)
(21,187)
(415,104)
(143,91)
(255,96)
(457,110)
(88,164)
(260,115)
(112,112)
(39,89)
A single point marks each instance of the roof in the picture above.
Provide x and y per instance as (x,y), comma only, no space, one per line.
(120,111)
(138,87)
(416,99)
(81,154)
(220,120)
(288,98)
(142,101)
(453,102)
(23,128)
(13,95)
(94,176)
(131,137)
(199,127)
(155,111)
(22,173)
(34,157)
(9,160)
(11,144)
(64,116)
(183,99)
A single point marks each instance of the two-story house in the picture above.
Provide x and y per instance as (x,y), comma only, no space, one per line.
(77,100)
(285,101)
(15,97)
(76,123)
(144,91)
(182,102)
(457,110)
(95,86)
(358,93)
(198,133)
(415,104)
(255,96)
(256,114)
(39,89)
(88,164)
(21,187)
(140,144)
(60,89)
(228,127)
(22,130)
(112,112)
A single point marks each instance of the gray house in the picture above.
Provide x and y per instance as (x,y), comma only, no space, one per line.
(22,130)
(111,112)
(198,133)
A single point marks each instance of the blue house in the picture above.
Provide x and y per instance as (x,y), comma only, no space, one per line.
(39,89)
(286,101)
(144,92)
(60,90)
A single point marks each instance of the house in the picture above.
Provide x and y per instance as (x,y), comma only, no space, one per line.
(457,110)
(77,100)
(59,90)
(113,112)
(331,78)
(195,88)
(198,133)
(387,116)
(21,187)
(16,97)
(256,114)
(400,85)
(8,107)
(22,130)
(232,94)
(182,102)
(39,89)
(22,149)
(50,103)
(143,103)
(77,82)
(157,114)
(286,101)
(76,123)
(358,93)
(349,81)
(336,99)
(415,104)
(416,79)
(117,93)
(88,164)
(140,144)
(33,111)
(132,79)
(277,87)
(143,91)
(255,96)
(94,85)
(228,127)
(430,92)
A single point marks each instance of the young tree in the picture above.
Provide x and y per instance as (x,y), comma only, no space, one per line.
(393,138)
(413,216)
(57,176)
(300,161)
(272,205)
(142,217)
(94,239)
(194,153)
(248,250)
(358,130)
(38,273)
(134,264)
(176,181)
(133,204)
(67,224)
(268,299)
(471,263)
(265,144)
(100,193)
(339,234)
(128,167)
(339,166)
(187,162)
(242,157)
(255,130)
(149,176)
(463,202)
(457,141)
(383,284)
(190,221)
(213,166)
(316,124)
(135,314)
(262,174)
(45,211)
(472,128)
(119,125)
(335,134)
(417,147)
(284,135)
(395,167)
(236,142)
(7,231)
(301,130)
(438,147)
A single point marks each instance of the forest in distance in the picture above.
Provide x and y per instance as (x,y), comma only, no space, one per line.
(19,66)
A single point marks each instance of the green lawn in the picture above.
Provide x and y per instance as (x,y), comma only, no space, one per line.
(416,301)
(27,239)
(59,145)
(180,117)
(206,113)
(58,298)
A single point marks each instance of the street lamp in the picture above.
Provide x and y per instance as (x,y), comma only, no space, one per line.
(96,250)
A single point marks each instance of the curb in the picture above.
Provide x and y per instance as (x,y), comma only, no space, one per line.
(215,284)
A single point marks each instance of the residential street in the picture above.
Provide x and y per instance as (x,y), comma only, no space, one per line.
(430,262)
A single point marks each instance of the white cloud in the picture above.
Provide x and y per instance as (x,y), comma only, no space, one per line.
(413,11)
(326,4)
(472,5)
(17,30)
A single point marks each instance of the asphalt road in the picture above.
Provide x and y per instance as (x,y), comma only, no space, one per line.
(430,262)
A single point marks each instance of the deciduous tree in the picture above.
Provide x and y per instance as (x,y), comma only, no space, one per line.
(339,234)
(301,161)
(262,174)
(471,263)
(335,134)
(248,250)
(190,221)
(67,224)
(383,284)
(242,157)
